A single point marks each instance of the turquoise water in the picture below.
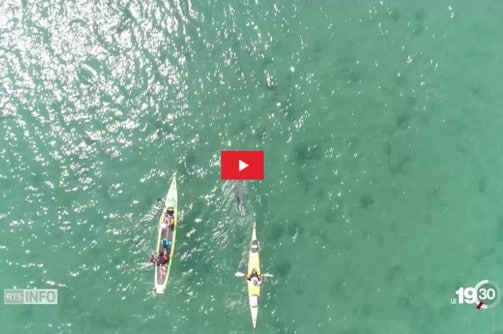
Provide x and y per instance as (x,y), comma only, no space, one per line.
(381,126)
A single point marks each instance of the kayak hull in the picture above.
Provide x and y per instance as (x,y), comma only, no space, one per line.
(253,290)
(166,229)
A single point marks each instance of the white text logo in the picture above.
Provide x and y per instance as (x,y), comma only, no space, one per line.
(30,296)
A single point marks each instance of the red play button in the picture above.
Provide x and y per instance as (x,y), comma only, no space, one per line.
(242,165)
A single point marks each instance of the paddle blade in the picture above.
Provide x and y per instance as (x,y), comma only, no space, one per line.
(268,275)
(238,274)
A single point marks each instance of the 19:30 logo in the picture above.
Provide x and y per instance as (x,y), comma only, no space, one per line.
(485,294)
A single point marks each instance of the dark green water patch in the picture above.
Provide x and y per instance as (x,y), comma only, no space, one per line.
(394,272)
(418,31)
(330,217)
(366,310)
(295,228)
(275,233)
(411,101)
(499,230)
(338,288)
(351,331)
(321,194)
(395,16)
(282,269)
(260,134)
(307,153)
(402,122)
(380,240)
(397,163)
(366,200)
(482,186)
(405,302)
(304,179)
(420,15)
(299,291)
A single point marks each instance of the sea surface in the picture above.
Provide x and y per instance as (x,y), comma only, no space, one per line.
(382,126)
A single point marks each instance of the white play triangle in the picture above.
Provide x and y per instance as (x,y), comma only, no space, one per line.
(242,165)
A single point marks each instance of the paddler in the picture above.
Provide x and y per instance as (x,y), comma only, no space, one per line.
(167,223)
(164,258)
(170,212)
(255,278)
(170,223)
(159,258)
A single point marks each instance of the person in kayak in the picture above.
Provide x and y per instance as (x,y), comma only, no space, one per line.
(168,223)
(255,278)
(169,218)
(164,271)
(171,224)
(170,212)
(164,258)
(159,258)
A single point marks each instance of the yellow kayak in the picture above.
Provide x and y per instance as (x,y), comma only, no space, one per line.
(166,237)
(253,289)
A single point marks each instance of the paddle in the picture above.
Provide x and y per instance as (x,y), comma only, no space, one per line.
(238,274)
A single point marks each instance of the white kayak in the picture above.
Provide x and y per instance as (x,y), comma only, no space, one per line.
(166,238)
